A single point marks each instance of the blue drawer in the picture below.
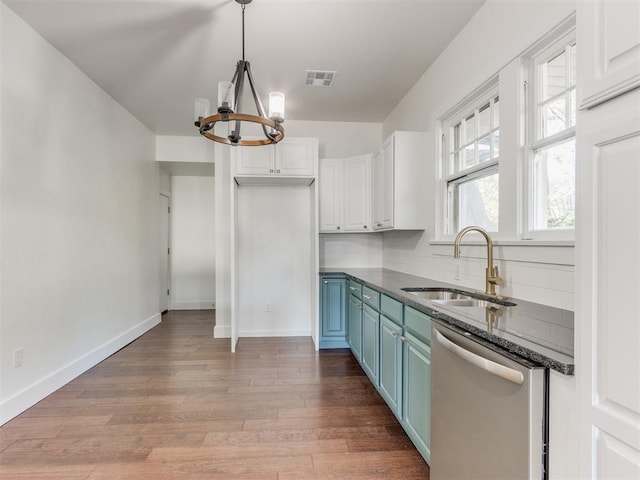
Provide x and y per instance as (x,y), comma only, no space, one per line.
(391,308)
(355,288)
(371,297)
(418,323)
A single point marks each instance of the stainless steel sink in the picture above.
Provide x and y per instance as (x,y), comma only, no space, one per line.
(439,295)
(450,297)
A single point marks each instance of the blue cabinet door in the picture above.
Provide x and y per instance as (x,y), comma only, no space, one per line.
(416,411)
(370,342)
(391,364)
(333,313)
(354,330)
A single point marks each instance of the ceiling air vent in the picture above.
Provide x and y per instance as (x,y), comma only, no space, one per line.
(319,78)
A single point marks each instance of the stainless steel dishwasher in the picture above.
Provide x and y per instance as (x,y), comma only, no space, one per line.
(488,412)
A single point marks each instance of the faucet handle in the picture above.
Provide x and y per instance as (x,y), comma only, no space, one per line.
(494,278)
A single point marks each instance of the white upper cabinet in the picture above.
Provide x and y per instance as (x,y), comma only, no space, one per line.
(399,183)
(609,42)
(357,193)
(383,178)
(296,157)
(292,157)
(330,194)
(345,194)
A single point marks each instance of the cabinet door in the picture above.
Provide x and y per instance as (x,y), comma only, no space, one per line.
(391,364)
(370,342)
(333,313)
(383,186)
(357,193)
(609,49)
(330,187)
(254,160)
(416,408)
(355,326)
(296,157)
(607,288)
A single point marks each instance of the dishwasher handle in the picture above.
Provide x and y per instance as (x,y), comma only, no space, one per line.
(501,371)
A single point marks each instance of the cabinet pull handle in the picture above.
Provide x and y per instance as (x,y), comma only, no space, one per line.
(365,226)
(367,297)
(338,227)
(271,170)
(353,289)
(378,224)
(278,171)
(326,282)
(394,333)
(403,339)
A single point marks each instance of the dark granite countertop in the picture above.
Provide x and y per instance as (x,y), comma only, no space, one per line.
(535,332)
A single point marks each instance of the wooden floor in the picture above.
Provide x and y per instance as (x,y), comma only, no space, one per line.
(175,404)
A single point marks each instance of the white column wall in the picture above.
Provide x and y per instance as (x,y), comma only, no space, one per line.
(78,220)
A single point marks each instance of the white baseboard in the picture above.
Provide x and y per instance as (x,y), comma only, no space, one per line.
(222,331)
(31,395)
(191,305)
(274,333)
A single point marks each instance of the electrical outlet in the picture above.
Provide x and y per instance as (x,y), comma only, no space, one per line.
(267,307)
(456,272)
(17,357)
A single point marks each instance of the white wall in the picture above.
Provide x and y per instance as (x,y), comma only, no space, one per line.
(165,183)
(338,139)
(192,243)
(273,251)
(350,250)
(176,148)
(499,32)
(79,195)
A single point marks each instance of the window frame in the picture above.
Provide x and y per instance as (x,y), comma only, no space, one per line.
(449,176)
(534,139)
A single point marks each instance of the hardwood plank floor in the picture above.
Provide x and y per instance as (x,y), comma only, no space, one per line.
(176,404)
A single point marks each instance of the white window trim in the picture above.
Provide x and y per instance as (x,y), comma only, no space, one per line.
(545,49)
(472,102)
(509,80)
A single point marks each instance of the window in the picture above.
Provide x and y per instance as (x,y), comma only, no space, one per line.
(507,149)
(471,151)
(551,151)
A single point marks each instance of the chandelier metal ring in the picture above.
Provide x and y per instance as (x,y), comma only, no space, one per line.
(207,124)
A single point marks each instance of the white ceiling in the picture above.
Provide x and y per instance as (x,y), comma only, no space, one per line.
(156,56)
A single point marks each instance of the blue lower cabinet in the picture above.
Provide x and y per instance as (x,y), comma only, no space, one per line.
(354,329)
(416,411)
(333,312)
(391,341)
(370,342)
(390,385)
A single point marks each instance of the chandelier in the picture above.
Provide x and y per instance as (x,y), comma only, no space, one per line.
(230,102)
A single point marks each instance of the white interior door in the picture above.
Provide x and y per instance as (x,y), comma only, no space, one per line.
(165,253)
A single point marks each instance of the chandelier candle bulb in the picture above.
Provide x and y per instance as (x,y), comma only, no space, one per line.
(202,109)
(226,100)
(276,106)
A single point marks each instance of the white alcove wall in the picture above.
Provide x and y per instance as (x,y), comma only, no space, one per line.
(274,232)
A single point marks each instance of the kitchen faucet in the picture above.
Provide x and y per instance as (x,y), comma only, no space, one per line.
(492,278)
